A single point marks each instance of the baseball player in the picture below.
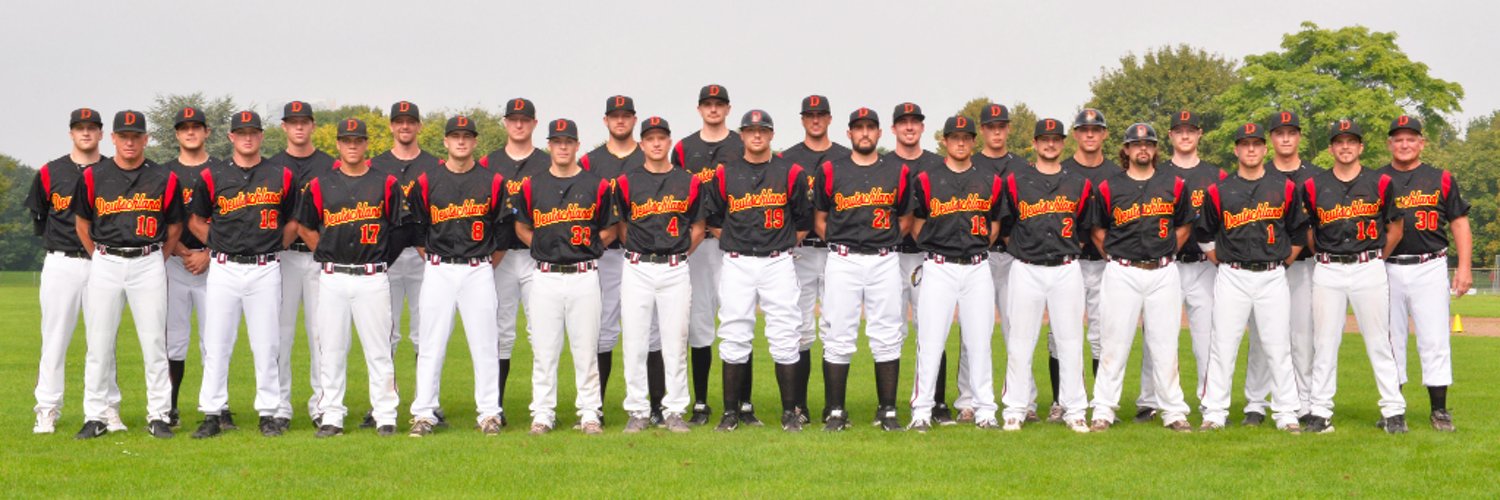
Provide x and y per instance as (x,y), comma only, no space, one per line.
(1089,130)
(458,205)
(907,124)
(240,208)
(1429,200)
(994,131)
(186,278)
(1355,223)
(131,212)
(515,162)
(699,153)
(660,224)
(566,218)
(407,162)
(1044,206)
(811,256)
(1142,217)
(757,206)
(862,203)
(347,217)
(1284,132)
(299,273)
(65,270)
(957,210)
(1251,225)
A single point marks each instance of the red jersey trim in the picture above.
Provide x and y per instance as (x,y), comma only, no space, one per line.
(46,176)
(723,187)
(1213,195)
(926,188)
(901,184)
(1109,203)
(497,186)
(526,192)
(1447,183)
(624,185)
(315,188)
(1312,194)
(828,178)
(791,177)
(166,200)
(1385,182)
(1083,199)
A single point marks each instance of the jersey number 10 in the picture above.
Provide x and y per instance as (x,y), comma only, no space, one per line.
(145,226)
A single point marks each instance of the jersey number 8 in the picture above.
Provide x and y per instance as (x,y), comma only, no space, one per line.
(476,231)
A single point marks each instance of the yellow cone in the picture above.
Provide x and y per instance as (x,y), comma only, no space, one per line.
(1458,324)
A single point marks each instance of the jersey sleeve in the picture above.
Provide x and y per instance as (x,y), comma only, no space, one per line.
(998,209)
(1184,213)
(823,187)
(921,190)
(713,200)
(36,202)
(172,212)
(1295,218)
(310,209)
(797,202)
(1387,193)
(1206,228)
(606,215)
(399,212)
(1097,211)
(677,155)
(203,197)
(903,192)
(83,201)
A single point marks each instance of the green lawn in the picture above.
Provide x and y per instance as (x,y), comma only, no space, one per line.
(1044,460)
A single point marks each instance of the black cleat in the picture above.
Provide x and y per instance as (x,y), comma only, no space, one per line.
(791,421)
(802,414)
(1442,421)
(1317,425)
(1145,414)
(329,431)
(1254,419)
(729,422)
(941,415)
(1304,419)
(442,421)
(160,429)
(317,421)
(173,419)
(386,431)
(1394,424)
(285,424)
(212,425)
(92,429)
(656,419)
(369,421)
(226,420)
(747,415)
(885,418)
(700,414)
(268,427)
(835,420)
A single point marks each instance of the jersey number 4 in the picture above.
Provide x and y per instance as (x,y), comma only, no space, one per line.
(369,234)
(145,226)
(672,229)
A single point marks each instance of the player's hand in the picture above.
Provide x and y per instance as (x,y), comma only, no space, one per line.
(1463,279)
(196,262)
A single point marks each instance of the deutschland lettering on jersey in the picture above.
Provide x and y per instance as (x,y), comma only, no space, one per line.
(353,215)
(1140,218)
(802,155)
(51,203)
(1253,220)
(1197,181)
(128,208)
(514,172)
(1428,198)
(658,210)
(957,208)
(759,207)
(459,214)
(188,174)
(566,215)
(1350,217)
(864,202)
(1045,212)
(246,207)
(700,157)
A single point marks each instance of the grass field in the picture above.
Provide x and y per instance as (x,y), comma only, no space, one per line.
(1044,460)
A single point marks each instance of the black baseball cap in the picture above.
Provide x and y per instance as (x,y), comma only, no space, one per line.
(295,109)
(713,91)
(1091,116)
(757,119)
(815,104)
(562,127)
(1284,119)
(864,114)
(460,123)
(655,123)
(1188,118)
(520,106)
(906,109)
(130,121)
(189,114)
(85,115)
(1248,130)
(994,113)
(1345,126)
(1405,122)
(245,119)
(353,127)
(619,103)
(1049,126)
(1139,132)
(959,124)
(405,108)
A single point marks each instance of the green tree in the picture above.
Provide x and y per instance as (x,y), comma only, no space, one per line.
(1021,121)
(1325,75)
(163,114)
(19,248)
(1471,159)
(1153,87)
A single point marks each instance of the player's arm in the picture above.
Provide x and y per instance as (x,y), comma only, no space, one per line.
(523,232)
(1097,236)
(820,224)
(82,226)
(1463,238)
(174,238)
(198,225)
(309,215)
(608,234)
(697,233)
(36,202)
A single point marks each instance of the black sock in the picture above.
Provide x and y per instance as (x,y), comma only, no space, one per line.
(732,374)
(940,390)
(504,374)
(747,381)
(703,362)
(1096,367)
(606,364)
(1054,369)
(804,372)
(176,368)
(656,379)
(887,374)
(1439,397)
(786,380)
(835,381)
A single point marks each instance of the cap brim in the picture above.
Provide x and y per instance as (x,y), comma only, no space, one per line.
(243,127)
(988,121)
(1398,129)
(712,98)
(562,136)
(919,116)
(1356,135)
(871,120)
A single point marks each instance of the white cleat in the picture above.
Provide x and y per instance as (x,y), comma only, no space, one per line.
(1078,425)
(1012,425)
(112,420)
(46,422)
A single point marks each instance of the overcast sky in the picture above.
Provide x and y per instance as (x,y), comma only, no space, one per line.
(568,56)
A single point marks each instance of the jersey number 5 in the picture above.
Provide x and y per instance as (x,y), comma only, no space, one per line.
(582,235)
(369,234)
(1162,228)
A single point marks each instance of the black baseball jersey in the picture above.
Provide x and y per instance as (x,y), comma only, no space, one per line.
(864,202)
(353,215)
(1427,198)
(700,157)
(51,203)
(659,210)
(188,176)
(246,208)
(1253,220)
(515,172)
(1299,175)
(805,156)
(1349,217)
(1141,217)
(924,162)
(406,172)
(1002,166)
(957,208)
(129,208)
(1096,175)
(566,215)
(1197,179)
(305,168)
(759,207)
(458,214)
(1045,212)
(608,166)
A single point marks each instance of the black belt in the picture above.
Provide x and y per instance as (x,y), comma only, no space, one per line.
(354,269)
(1091,258)
(1149,265)
(1060,261)
(962,260)
(908,248)
(129,252)
(257,259)
(670,259)
(298,246)
(1189,258)
(518,246)
(1255,266)
(813,244)
(581,267)
(845,250)
(736,255)
(435,259)
(1407,260)
(71,254)
(1348,258)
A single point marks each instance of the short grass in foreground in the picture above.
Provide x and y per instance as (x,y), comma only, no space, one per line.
(1131,460)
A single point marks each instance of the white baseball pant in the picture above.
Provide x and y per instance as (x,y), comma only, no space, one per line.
(1363,286)
(252,291)
(1257,376)
(1093,276)
(705,265)
(406,290)
(1198,296)
(63,282)
(564,303)
(113,282)
(771,283)
(868,283)
(655,298)
(1420,292)
(910,263)
(512,291)
(611,271)
(971,289)
(810,262)
(299,286)
(367,300)
(1239,294)
(1124,293)
(469,289)
(999,263)
(1057,291)
(186,293)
